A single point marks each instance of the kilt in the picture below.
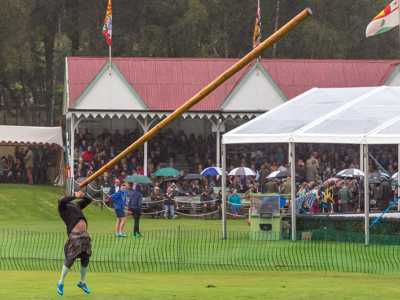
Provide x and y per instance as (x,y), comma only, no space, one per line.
(77,243)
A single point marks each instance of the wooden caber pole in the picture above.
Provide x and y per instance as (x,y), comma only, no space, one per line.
(256,52)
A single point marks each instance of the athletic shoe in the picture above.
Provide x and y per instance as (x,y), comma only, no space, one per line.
(117,234)
(60,289)
(84,287)
(123,234)
(136,235)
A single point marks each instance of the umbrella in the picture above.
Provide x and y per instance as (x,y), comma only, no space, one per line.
(350,173)
(395,176)
(193,177)
(378,177)
(278,174)
(211,171)
(166,172)
(138,179)
(242,171)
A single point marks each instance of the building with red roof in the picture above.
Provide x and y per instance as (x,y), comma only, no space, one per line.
(140,91)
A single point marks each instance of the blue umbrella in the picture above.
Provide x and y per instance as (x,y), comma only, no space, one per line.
(211,171)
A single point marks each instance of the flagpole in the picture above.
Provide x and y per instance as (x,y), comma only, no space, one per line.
(109,60)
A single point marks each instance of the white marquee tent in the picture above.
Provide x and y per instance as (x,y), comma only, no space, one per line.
(31,135)
(365,115)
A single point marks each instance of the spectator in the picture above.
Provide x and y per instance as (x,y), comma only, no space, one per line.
(234,202)
(312,166)
(271,187)
(169,203)
(345,198)
(116,186)
(156,198)
(135,198)
(118,200)
(28,159)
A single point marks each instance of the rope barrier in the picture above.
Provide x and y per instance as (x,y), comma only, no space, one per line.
(154,213)
(198,215)
(236,215)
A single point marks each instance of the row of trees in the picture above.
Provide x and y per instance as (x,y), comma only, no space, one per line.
(36,35)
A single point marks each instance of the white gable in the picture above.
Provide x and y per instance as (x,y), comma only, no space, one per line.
(256,92)
(110,92)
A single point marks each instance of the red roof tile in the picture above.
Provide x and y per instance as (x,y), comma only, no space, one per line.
(165,83)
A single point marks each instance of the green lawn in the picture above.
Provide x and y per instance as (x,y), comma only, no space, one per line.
(35,208)
(32,236)
(226,285)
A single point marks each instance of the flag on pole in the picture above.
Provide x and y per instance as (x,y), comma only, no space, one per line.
(107,27)
(387,19)
(257,27)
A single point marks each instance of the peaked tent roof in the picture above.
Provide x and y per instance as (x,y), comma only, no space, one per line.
(369,115)
(31,135)
(165,83)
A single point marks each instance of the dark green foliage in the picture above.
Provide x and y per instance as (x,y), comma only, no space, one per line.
(36,35)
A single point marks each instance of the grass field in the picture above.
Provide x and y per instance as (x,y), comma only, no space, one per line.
(33,210)
(191,286)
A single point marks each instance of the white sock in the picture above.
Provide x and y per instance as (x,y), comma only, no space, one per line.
(83,273)
(64,273)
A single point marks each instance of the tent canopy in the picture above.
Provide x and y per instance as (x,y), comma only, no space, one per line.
(365,115)
(31,135)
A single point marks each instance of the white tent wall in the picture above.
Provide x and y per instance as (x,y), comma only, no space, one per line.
(25,136)
(329,115)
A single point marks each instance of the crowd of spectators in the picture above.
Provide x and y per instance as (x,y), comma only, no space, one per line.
(93,151)
(315,165)
(32,165)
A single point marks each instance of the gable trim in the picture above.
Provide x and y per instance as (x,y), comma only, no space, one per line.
(103,70)
(245,78)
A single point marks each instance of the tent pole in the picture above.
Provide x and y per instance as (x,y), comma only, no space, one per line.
(71,157)
(366,194)
(218,133)
(398,176)
(223,192)
(362,169)
(292,163)
(145,150)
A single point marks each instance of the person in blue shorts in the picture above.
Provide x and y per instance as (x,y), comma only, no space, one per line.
(118,200)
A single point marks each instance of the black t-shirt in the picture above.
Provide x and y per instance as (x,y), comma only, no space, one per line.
(71,212)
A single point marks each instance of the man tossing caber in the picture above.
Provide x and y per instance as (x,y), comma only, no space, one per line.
(78,244)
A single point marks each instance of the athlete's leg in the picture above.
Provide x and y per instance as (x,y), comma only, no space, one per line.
(84,268)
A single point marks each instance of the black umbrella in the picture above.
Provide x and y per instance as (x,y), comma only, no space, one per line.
(378,177)
(278,174)
(350,173)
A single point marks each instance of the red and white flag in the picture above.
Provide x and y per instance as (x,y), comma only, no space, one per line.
(387,19)
(107,27)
